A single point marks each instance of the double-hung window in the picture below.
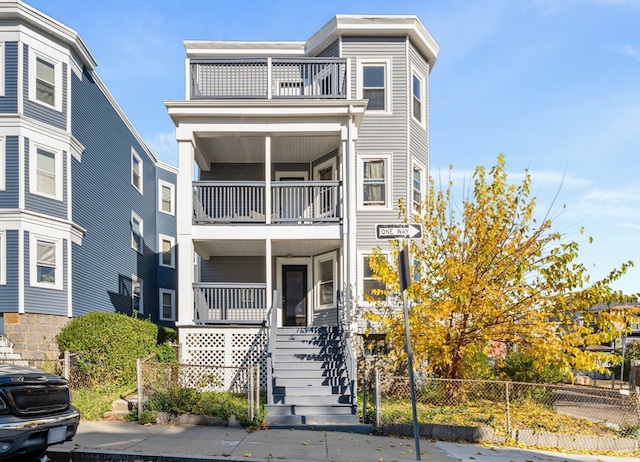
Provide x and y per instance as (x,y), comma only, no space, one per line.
(374,84)
(45,172)
(166,197)
(45,261)
(167,305)
(136,170)
(166,251)
(45,79)
(369,284)
(45,82)
(373,181)
(417,188)
(325,274)
(137,240)
(136,295)
(417,98)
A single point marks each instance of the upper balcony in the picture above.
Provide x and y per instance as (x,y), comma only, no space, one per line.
(268,78)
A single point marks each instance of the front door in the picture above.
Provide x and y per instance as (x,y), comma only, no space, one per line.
(294,300)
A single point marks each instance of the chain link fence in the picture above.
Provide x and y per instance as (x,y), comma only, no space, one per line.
(563,415)
(155,379)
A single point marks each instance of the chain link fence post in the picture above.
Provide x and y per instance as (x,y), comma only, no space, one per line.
(250,390)
(508,410)
(377,398)
(67,365)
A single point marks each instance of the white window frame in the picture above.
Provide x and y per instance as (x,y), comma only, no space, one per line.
(136,157)
(418,166)
(34,146)
(172,293)
(136,281)
(136,217)
(422,100)
(388,185)
(57,72)
(3,257)
(386,63)
(360,271)
(34,239)
(161,239)
(318,281)
(3,156)
(172,188)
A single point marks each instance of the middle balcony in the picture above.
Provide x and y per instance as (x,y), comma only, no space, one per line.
(283,202)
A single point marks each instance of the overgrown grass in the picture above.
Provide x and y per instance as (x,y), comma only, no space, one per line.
(527,414)
(93,402)
(179,400)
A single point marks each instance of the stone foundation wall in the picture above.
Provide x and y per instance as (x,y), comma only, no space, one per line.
(33,335)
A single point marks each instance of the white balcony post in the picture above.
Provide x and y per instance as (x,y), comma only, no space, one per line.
(269,77)
(267,182)
(184,190)
(269,282)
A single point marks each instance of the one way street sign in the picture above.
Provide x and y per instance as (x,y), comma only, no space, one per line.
(399,231)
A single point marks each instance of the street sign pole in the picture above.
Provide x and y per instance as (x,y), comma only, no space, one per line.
(405,281)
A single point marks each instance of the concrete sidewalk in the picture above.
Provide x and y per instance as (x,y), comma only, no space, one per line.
(129,441)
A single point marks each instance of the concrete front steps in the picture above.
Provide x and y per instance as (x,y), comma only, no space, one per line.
(310,385)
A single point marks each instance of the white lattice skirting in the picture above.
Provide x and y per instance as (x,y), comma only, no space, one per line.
(234,348)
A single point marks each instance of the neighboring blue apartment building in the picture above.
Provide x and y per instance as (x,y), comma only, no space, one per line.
(87,213)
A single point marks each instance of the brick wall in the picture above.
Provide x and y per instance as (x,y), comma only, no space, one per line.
(33,335)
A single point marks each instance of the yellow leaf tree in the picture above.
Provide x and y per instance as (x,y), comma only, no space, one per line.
(491,273)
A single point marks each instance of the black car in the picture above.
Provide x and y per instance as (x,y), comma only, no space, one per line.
(35,413)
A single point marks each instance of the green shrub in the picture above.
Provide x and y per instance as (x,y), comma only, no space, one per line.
(165,353)
(180,400)
(105,346)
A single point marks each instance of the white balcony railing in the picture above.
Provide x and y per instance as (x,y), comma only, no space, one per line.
(267,78)
(304,202)
(219,303)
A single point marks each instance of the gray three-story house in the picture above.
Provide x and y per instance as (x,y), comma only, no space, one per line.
(87,213)
(299,149)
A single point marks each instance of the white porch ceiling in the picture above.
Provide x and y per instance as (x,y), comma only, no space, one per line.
(251,149)
(231,248)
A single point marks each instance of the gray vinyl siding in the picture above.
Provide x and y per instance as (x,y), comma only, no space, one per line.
(9,197)
(42,204)
(39,111)
(332,51)
(234,172)
(382,134)
(103,198)
(41,300)
(233,269)
(419,134)
(9,102)
(9,291)
(166,224)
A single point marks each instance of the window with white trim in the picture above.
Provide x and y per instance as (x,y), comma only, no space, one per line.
(137,236)
(374,182)
(416,100)
(417,188)
(368,284)
(45,172)
(45,80)
(167,305)
(325,274)
(167,251)
(137,170)
(374,84)
(137,299)
(3,258)
(166,194)
(46,262)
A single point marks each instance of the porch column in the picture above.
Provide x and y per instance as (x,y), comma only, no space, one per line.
(267,181)
(268,277)
(184,197)
(349,181)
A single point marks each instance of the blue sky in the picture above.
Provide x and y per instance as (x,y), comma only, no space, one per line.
(554,85)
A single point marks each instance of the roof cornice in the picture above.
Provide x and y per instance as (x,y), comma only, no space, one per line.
(348,25)
(19,11)
(206,48)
